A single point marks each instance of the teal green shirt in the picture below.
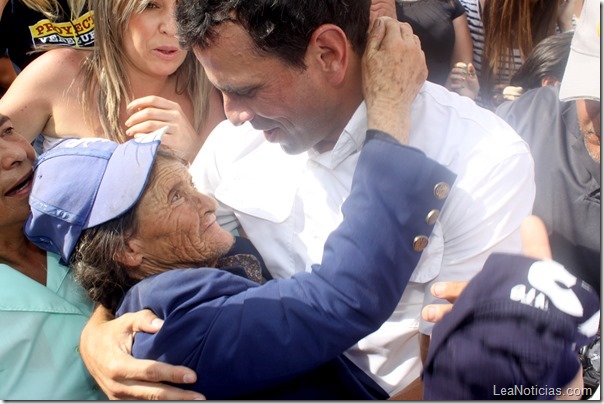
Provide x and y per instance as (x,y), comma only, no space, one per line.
(40,330)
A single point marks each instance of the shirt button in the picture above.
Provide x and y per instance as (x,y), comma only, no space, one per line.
(441,190)
(420,242)
(432,216)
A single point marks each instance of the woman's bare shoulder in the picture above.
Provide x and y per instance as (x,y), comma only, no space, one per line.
(47,85)
(67,61)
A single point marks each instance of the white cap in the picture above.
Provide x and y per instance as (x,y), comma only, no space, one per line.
(582,75)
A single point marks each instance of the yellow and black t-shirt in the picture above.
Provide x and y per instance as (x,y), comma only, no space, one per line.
(23,30)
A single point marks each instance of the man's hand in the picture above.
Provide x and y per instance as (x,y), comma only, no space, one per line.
(394,70)
(449,291)
(105,346)
(535,244)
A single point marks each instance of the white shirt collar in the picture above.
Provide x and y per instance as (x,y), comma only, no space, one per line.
(350,141)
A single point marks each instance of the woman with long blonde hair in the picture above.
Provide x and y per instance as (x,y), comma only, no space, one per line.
(136,79)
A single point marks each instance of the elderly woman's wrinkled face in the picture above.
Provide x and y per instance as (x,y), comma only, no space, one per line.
(177,226)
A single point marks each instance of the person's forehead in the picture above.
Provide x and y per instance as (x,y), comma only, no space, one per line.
(232,62)
(170,173)
(4,120)
(231,39)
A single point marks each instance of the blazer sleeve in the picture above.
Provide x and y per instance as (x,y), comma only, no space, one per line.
(241,338)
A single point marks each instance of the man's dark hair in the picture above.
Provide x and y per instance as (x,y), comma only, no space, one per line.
(277,27)
(548,58)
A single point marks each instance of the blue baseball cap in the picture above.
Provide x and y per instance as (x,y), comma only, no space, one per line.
(514,332)
(82,183)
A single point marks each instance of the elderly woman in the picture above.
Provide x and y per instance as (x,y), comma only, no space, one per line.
(140,236)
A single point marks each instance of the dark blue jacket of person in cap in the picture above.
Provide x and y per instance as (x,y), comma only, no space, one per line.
(513,333)
(284,339)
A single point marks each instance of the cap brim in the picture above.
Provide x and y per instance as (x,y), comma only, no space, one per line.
(581,78)
(125,178)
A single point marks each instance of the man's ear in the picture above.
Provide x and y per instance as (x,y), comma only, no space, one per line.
(329,48)
(549,80)
(131,256)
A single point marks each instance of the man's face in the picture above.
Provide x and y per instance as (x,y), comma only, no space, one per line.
(177,224)
(292,106)
(588,114)
(16,162)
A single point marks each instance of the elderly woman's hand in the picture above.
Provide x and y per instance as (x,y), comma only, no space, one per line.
(381,8)
(394,70)
(105,346)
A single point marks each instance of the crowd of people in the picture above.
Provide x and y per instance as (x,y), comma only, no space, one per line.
(276,200)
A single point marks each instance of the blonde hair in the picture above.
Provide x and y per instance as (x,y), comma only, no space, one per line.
(105,78)
(52,9)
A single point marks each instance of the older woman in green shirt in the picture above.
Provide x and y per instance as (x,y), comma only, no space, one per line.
(42,309)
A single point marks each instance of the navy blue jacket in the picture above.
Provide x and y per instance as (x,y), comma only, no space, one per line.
(513,333)
(284,339)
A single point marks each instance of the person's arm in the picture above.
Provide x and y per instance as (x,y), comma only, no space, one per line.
(462,78)
(463,48)
(29,100)
(105,348)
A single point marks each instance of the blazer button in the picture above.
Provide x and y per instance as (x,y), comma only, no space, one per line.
(420,242)
(441,190)
(432,216)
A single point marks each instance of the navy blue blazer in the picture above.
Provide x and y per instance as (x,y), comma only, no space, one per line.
(284,339)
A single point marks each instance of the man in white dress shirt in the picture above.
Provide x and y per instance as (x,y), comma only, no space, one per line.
(282,165)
